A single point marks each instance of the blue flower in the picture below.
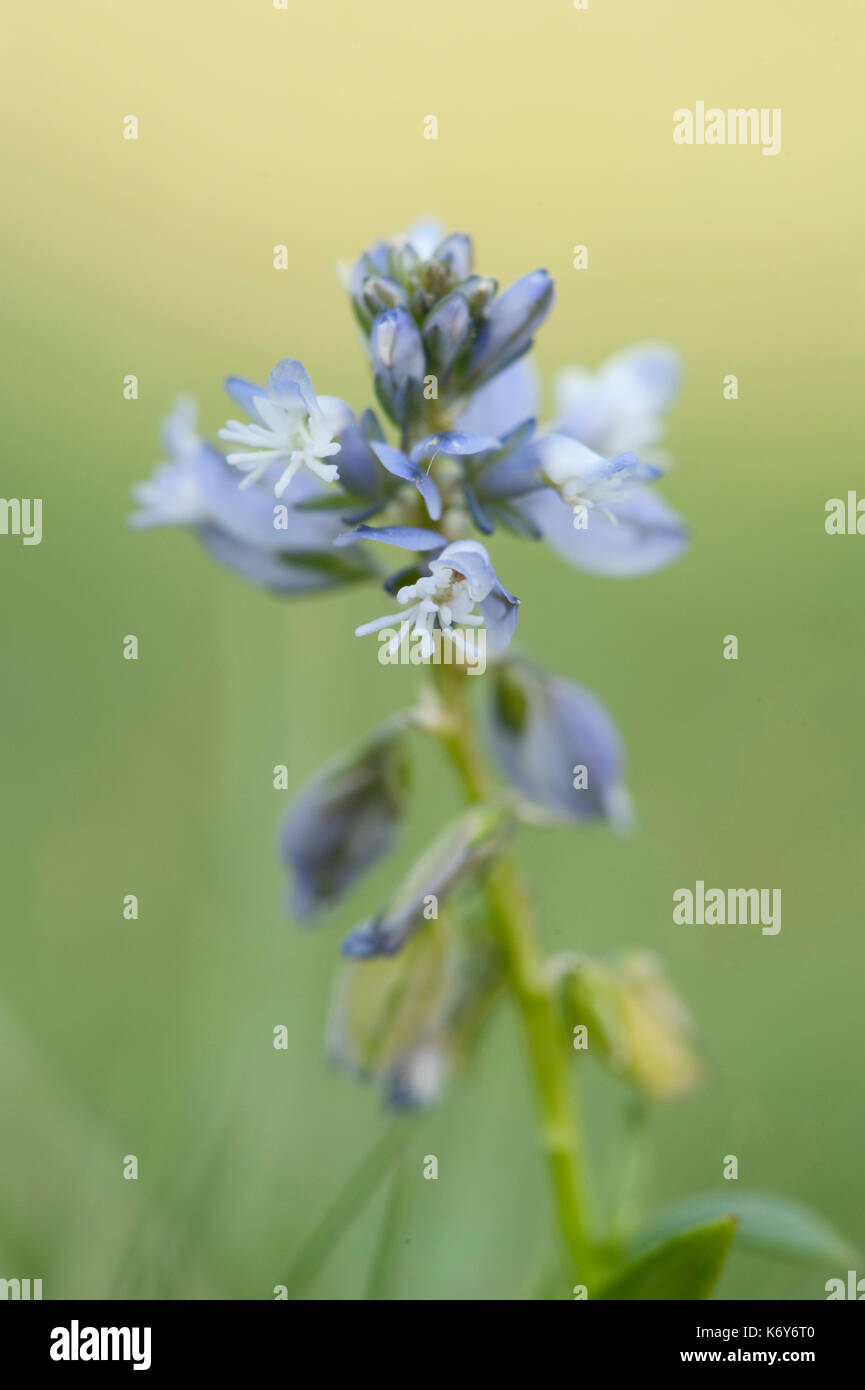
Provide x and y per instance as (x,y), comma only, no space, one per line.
(345,819)
(278,547)
(621,406)
(583,478)
(459,579)
(292,427)
(173,496)
(558,745)
(636,536)
(599,515)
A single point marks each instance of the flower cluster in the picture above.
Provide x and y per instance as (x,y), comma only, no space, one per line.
(452,372)
(312,494)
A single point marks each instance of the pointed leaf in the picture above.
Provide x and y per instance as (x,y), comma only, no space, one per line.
(775,1225)
(685,1267)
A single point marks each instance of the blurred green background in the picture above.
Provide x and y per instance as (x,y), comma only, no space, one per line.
(154,257)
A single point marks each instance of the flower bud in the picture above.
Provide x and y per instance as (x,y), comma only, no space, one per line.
(558,745)
(446,331)
(379,293)
(456,253)
(635,1023)
(455,857)
(345,819)
(399,363)
(509,325)
(477,291)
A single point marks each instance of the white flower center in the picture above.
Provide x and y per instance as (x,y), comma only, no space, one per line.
(293,437)
(444,595)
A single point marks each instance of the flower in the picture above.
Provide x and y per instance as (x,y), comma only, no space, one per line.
(282,548)
(636,536)
(173,496)
(409,1019)
(582,477)
(558,745)
(460,579)
(291,427)
(631,530)
(345,819)
(619,407)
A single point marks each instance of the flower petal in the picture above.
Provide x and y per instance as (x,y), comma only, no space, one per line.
(544,730)
(408,537)
(647,535)
(504,402)
(243,392)
(345,819)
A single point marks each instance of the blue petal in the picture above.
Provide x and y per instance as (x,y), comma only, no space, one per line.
(407,537)
(358,471)
(455,443)
(269,570)
(514,474)
(396,462)
(344,820)
(425,234)
(373,261)
(647,534)
(456,253)
(503,403)
(396,346)
(249,514)
(429,492)
(290,385)
(621,405)
(367,940)
(500,612)
(509,325)
(242,392)
(543,728)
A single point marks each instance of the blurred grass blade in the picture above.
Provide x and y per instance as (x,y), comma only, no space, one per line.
(381,1274)
(342,1212)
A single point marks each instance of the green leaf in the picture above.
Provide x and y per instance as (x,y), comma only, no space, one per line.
(344,568)
(685,1267)
(775,1225)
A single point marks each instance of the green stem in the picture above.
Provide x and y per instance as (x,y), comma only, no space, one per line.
(524,969)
